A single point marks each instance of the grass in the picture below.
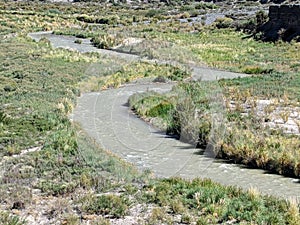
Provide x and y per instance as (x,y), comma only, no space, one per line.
(227,49)
(34,113)
(188,109)
(141,70)
(151,104)
(132,71)
(219,48)
(205,201)
(171,40)
(116,206)
(27,124)
(7,219)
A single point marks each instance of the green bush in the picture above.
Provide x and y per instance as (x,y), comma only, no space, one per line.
(113,205)
(56,188)
(178,110)
(106,41)
(178,73)
(3,118)
(256,70)
(204,5)
(54,11)
(224,22)
(160,110)
(92,19)
(7,219)
(186,8)
(153,12)
(78,41)
(154,105)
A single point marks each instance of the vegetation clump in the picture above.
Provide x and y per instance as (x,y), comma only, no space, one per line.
(188,111)
(214,203)
(111,205)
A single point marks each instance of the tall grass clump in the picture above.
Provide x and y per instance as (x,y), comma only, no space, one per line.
(137,70)
(186,110)
(8,219)
(217,204)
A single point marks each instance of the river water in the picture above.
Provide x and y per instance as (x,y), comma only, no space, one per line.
(106,117)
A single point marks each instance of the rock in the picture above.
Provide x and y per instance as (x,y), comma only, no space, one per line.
(89,217)
(284,23)
(263,1)
(16,212)
(18,205)
(160,79)
(278,1)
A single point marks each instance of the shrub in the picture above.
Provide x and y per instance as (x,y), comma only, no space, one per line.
(161,110)
(261,18)
(204,5)
(160,79)
(11,87)
(3,118)
(256,70)
(56,188)
(78,41)
(186,8)
(178,74)
(154,105)
(224,22)
(153,12)
(105,41)
(7,219)
(217,204)
(185,15)
(158,216)
(54,11)
(112,205)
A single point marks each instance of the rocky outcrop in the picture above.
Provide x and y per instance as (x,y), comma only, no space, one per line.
(285,15)
(284,23)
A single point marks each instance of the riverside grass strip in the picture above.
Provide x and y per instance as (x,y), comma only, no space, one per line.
(246,139)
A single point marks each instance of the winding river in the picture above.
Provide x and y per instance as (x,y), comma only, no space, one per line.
(106,117)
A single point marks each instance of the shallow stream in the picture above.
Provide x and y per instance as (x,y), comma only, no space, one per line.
(106,117)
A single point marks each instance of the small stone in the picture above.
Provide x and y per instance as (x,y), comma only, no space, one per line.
(89,217)
(16,212)
(18,205)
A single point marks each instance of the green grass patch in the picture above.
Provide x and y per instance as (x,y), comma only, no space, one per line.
(211,203)
(35,114)
(7,219)
(151,104)
(219,48)
(39,98)
(112,205)
(134,71)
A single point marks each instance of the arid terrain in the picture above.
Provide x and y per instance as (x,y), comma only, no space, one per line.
(159,112)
